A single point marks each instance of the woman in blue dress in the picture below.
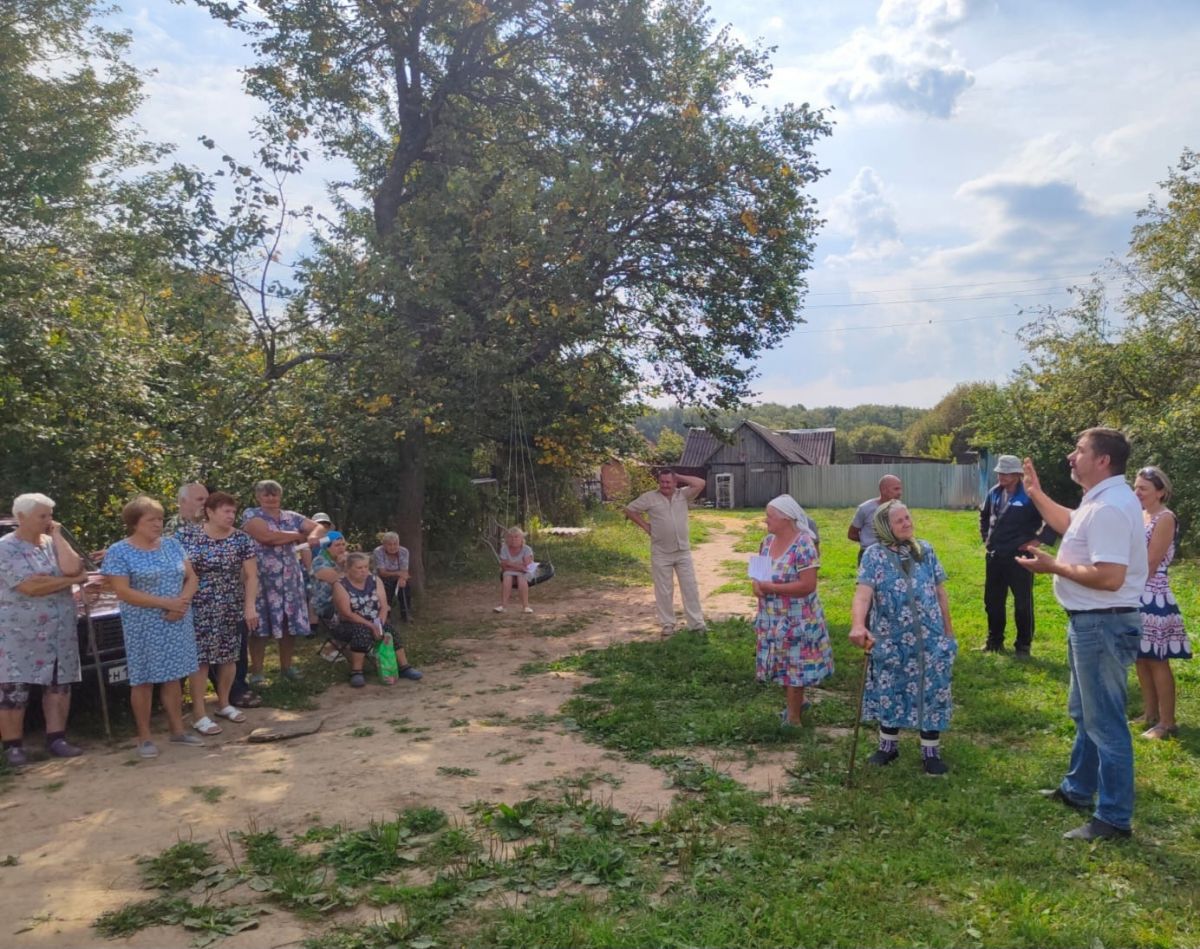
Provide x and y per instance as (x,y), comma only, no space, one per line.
(910,639)
(155,583)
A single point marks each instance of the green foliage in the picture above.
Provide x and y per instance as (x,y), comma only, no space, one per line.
(947,430)
(876,439)
(177,867)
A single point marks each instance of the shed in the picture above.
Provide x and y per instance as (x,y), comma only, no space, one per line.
(757,461)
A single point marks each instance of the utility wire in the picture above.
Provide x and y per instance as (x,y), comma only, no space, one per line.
(953,286)
(974,296)
(884,326)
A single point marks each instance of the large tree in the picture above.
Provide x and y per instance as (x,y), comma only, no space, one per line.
(567,197)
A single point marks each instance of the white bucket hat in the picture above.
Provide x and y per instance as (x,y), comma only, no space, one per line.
(1009,464)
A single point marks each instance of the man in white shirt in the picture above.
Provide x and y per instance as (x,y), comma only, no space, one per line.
(663,515)
(1099,574)
(861,530)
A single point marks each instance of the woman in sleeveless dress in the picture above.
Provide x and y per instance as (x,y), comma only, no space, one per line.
(1163,634)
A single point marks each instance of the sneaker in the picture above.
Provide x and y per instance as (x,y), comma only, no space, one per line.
(357,680)
(147,749)
(408,672)
(935,766)
(256,679)
(990,647)
(497,609)
(16,757)
(1096,829)
(882,758)
(61,748)
(291,672)
(195,741)
(529,609)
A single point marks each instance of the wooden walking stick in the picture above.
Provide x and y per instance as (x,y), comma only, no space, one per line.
(862,686)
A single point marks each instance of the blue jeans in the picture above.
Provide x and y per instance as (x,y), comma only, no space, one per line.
(1100,650)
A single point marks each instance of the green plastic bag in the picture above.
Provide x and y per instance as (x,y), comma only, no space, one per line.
(385,656)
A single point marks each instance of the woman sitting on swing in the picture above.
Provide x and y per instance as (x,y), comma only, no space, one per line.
(516,557)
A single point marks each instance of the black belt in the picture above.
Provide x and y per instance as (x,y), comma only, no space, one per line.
(1103,611)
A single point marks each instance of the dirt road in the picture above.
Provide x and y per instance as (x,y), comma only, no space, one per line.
(77,826)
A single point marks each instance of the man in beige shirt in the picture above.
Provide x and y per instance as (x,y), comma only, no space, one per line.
(663,514)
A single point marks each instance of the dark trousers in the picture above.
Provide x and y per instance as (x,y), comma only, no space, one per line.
(1004,574)
(398,597)
(241,668)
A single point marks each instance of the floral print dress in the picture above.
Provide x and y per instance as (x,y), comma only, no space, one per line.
(908,676)
(1163,634)
(282,598)
(37,633)
(218,608)
(792,638)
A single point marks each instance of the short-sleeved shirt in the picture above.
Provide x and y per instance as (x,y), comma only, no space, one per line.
(322,592)
(1107,527)
(668,518)
(177,525)
(385,561)
(864,520)
(507,557)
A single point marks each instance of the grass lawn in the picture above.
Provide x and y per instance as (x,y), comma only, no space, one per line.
(974,859)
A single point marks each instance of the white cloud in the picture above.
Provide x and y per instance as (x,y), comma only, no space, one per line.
(865,212)
(927,16)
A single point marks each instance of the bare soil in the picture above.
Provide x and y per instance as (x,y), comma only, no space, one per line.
(76,827)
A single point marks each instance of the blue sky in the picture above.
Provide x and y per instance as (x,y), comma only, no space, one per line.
(987,156)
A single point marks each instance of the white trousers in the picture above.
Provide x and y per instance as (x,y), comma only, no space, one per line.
(663,568)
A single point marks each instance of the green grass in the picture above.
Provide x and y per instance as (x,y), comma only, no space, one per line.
(975,859)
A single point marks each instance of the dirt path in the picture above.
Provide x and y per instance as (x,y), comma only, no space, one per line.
(76,827)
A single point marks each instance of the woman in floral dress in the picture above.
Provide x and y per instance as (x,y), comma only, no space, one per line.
(1163,635)
(226,602)
(910,638)
(282,599)
(792,638)
(155,583)
(362,610)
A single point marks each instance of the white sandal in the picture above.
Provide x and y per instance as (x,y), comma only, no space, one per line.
(232,714)
(206,726)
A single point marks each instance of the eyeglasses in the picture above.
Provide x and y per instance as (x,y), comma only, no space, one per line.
(1152,475)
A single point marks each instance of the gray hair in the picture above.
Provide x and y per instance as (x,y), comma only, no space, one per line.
(388,537)
(28,503)
(183,489)
(268,487)
(355,558)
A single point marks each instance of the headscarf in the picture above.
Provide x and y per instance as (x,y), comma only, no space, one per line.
(790,508)
(883,530)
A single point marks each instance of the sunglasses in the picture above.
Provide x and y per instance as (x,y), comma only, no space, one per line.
(1152,475)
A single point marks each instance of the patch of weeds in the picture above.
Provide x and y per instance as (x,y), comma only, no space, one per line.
(423,820)
(177,867)
(459,722)
(513,821)
(272,770)
(566,628)
(401,727)
(455,845)
(585,779)
(293,879)
(210,922)
(53,786)
(452,771)
(209,793)
(362,731)
(363,855)
(11,860)
(510,759)
(591,860)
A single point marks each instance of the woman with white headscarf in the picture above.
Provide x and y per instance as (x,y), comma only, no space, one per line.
(793,641)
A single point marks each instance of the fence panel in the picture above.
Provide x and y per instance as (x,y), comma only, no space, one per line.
(951,487)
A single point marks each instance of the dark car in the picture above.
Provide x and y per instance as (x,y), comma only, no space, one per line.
(106,622)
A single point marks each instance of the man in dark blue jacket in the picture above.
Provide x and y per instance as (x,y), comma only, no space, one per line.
(1007,521)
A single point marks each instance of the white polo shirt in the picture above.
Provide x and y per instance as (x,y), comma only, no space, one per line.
(1107,527)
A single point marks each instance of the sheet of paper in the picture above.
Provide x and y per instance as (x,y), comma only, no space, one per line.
(759,567)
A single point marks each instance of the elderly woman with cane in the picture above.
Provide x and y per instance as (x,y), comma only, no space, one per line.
(911,640)
(793,640)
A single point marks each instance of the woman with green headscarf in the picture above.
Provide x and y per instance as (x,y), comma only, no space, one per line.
(911,640)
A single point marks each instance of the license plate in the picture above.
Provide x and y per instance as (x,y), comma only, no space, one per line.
(118,674)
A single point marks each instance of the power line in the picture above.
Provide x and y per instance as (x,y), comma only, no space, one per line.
(974,296)
(884,326)
(953,286)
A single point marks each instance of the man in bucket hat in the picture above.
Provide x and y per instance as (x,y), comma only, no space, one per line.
(1007,521)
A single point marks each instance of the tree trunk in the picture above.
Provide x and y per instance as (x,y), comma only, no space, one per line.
(410,502)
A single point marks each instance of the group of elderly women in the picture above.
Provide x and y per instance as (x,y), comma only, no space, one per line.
(191,603)
(901,585)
